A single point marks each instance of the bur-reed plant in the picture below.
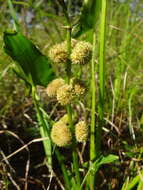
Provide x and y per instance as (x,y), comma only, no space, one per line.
(67,93)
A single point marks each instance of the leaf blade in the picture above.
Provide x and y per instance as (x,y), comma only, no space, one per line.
(29,58)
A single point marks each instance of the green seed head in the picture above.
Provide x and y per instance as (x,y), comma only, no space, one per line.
(65,94)
(81,53)
(61,134)
(53,86)
(81,131)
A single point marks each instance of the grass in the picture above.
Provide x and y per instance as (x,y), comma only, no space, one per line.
(116,105)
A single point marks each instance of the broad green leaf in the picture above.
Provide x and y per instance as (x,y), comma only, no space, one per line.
(108,159)
(104,160)
(89,16)
(34,65)
(96,165)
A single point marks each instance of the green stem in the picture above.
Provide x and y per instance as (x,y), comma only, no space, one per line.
(101,76)
(76,167)
(68,77)
(69,108)
(44,128)
(64,170)
(68,64)
(92,128)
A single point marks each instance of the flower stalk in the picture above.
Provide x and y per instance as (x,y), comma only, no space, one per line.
(93,104)
(44,128)
(101,77)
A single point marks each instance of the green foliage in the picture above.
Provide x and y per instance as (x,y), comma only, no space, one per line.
(135,182)
(89,16)
(35,66)
(122,86)
(94,167)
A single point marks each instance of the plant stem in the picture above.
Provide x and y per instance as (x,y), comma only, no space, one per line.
(76,167)
(63,168)
(101,76)
(68,77)
(69,108)
(44,128)
(92,128)
(68,64)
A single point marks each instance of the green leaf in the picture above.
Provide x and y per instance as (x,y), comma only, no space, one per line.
(26,4)
(36,67)
(103,160)
(89,16)
(96,165)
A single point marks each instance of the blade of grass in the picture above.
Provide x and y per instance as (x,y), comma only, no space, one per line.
(131,129)
(13,15)
(64,170)
(101,75)
(93,103)
(44,128)
(92,127)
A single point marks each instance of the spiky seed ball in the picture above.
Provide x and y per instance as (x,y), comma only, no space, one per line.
(58,53)
(79,89)
(78,86)
(81,53)
(53,86)
(81,131)
(60,134)
(65,94)
(65,119)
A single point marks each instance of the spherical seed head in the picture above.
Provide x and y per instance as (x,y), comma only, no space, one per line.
(81,131)
(65,94)
(81,53)
(58,53)
(79,89)
(61,134)
(78,86)
(53,86)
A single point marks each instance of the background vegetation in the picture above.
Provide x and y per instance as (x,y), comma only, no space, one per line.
(43,22)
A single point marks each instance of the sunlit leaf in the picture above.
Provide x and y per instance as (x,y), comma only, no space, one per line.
(34,65)
(104,160)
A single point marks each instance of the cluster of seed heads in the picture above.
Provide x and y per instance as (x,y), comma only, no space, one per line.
(65,93)
(61,133)
(81,52)
(62,136)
